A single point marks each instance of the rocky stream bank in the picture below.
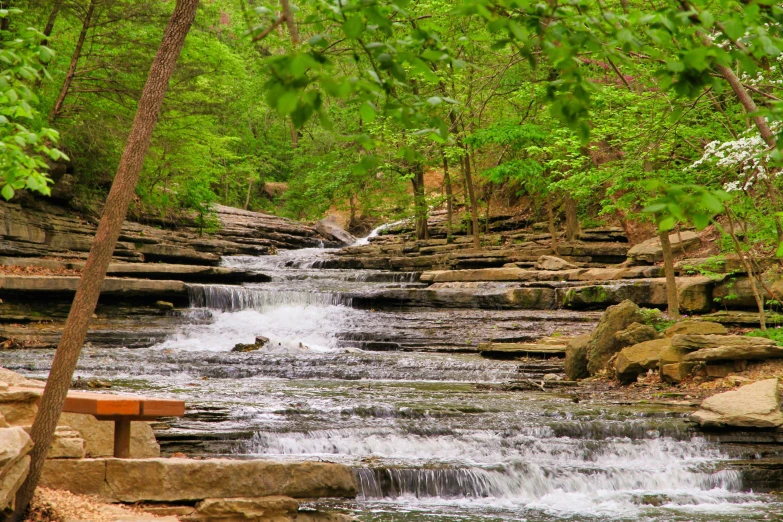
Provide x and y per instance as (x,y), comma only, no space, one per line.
(513,381)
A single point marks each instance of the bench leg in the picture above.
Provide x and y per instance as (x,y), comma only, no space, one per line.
(122,438)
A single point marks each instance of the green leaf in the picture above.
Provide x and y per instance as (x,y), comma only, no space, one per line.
(8,192)
(367,112)
(667,223)
(287,103)
(353,27)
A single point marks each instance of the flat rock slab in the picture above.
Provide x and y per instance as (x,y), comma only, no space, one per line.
(736,353)
(700,342)
(547,347)
(754,405)
(111,286)
(179,480)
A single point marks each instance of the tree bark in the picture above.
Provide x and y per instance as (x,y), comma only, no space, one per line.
(47,32)
(749,270)
(572,220)
(672,297)
(103,245)
(77,53)
(419,203)
(552,230)
(473,203)
(5,23)
(249,189)
(449,195)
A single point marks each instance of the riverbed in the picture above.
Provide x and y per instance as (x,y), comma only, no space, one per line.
(401,396)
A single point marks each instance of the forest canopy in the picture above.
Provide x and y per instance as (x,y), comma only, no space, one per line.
(662,112)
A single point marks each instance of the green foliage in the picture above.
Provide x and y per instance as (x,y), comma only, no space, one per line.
(25,145)
(776,334)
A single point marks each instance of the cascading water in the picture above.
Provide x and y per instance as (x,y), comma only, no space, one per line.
(427,436)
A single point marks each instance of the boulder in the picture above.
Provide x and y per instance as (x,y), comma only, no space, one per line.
(603,344)
(66,444)
(695,328)
(736,292)
(639,358)
(695,293)
(11,481)
(554,263)
(650,252)
(15,444)
(751,406)
(637,333)
(676,372)
(329,228)
(260,343)
(576,358)
(187,480)
(19,407)
(99,436)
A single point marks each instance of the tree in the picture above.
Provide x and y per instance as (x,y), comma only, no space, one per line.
(24,149)
(106,236)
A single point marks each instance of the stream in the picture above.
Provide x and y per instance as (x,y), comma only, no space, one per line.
(401,396)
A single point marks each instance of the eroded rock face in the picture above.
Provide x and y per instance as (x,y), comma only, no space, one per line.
(603,344)
(15,444)
(650,251)
(754,405)
(554,263)
(174,480)
(639,358)
(636,333)
(695,328)
(329,228)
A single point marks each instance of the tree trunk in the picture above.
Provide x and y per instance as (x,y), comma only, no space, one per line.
(293,32)
(94,273)
(5,23)
(552,230)
(672,298)
(249,189)
(473,203)
(294,136)
(572,220)
(77,53)
(419,203)
(47,32)
(749,270)
(449,195)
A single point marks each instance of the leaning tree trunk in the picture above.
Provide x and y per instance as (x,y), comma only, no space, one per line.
(77,53)
(419,203)
(749,269)
(103,244)
(672,298)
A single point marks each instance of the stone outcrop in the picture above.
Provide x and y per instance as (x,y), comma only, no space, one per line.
(174,480)
(576,357)
(754,405)
(639,358)
(46,229)
(553,263)
(15,444)
(544,347)
(603,344)
(329,228)
(725,347)
(695,328)
(636,333)
(650,251)
(736,291)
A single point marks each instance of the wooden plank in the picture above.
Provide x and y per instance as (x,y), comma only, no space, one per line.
(162,408)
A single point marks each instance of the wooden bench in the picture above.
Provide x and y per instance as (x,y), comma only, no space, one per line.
(122,409)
